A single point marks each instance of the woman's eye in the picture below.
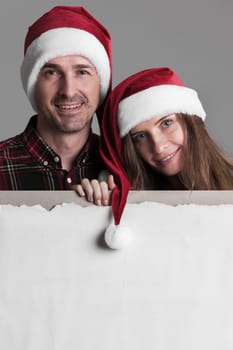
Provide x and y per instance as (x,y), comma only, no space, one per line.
(139,137)
(166,123)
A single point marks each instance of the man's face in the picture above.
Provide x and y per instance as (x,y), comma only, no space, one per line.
(67,94)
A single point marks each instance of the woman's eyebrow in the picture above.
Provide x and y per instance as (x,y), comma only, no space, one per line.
(158,121)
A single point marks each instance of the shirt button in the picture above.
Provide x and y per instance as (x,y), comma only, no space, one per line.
(69,180)
(45,163)
(56,159)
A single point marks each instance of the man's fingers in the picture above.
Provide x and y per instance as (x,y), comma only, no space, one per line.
(88,190)
(105,193)
(95,191)
(111,183)
(97,194)
(79,190)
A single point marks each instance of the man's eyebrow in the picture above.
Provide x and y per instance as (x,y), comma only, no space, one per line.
(79,65)
(83,65)
(50,65)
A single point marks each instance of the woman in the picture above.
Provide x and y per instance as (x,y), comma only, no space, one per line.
(153,134)
(153,137)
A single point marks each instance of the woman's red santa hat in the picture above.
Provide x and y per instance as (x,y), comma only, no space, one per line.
(149,93)
(66,30)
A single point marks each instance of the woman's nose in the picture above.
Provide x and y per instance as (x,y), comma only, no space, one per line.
(159,143)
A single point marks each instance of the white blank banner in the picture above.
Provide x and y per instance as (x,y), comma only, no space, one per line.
(61,288)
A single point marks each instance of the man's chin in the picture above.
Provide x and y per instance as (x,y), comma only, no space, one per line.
(72,128)
(70,131)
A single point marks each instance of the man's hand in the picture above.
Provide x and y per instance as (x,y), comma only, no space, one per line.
(98,192)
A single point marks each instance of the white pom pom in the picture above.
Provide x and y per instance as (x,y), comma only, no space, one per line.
(117,237)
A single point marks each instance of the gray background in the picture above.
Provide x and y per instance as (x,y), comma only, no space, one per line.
(194,37)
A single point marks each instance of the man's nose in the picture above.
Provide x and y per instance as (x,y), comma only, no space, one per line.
(69,86)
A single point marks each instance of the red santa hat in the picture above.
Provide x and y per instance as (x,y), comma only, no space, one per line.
(149,93)
(66,30)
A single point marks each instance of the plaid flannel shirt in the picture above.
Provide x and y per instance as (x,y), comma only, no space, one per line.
(28,163)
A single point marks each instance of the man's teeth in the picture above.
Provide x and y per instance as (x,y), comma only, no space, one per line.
(70,106)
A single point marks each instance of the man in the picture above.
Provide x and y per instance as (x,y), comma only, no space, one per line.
(66,74)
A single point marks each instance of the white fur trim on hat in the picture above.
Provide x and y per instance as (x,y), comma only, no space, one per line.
(61,42)
(159,100)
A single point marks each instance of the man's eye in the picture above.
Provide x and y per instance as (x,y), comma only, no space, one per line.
(50,72)
(83,72)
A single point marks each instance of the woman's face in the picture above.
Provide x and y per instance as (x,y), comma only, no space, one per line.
(159,141)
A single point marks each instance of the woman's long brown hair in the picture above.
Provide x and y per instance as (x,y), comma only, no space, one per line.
(205,165)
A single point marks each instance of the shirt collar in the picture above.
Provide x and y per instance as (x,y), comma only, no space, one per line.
(44,154)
